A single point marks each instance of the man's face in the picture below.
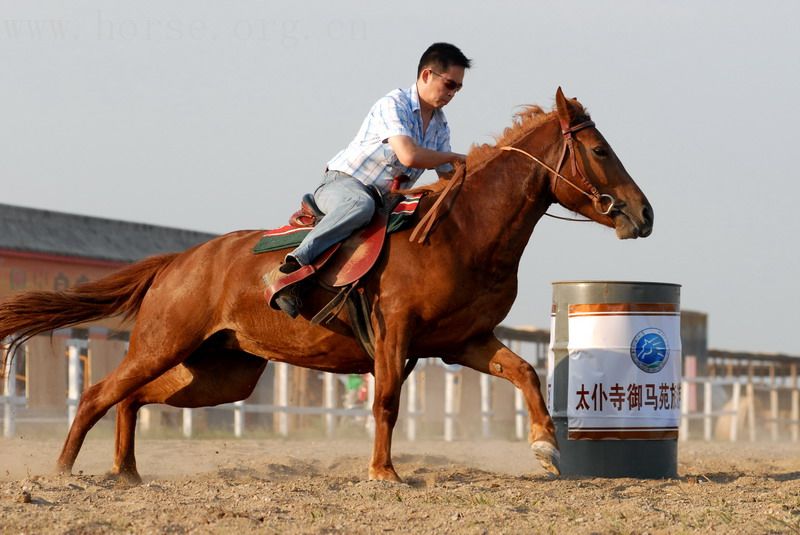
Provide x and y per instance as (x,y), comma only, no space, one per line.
(438,87)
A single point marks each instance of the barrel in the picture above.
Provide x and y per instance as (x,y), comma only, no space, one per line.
(614,377)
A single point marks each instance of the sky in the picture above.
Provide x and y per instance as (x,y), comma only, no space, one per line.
(218,116)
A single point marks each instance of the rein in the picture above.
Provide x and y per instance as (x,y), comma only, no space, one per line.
(596,197)
(423,228)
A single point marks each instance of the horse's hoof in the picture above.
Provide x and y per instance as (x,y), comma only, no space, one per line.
(384,474)
(63,470)
(125,478)
(549,457)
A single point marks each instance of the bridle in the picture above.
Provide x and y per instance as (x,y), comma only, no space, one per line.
(425,224)
(598,199)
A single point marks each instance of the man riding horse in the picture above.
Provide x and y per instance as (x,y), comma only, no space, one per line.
(404,134)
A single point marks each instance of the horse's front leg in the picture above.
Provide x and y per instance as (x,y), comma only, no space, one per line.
(492,357)
(390,354)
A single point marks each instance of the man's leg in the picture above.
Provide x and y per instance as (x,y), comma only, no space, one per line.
(347,206)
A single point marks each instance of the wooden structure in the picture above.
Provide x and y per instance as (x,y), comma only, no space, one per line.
(46,250)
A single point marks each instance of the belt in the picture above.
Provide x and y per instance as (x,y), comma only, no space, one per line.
(375,192)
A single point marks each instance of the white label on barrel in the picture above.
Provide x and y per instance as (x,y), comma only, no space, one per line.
(624,371)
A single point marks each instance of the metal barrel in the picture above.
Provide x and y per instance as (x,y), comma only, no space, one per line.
(630,449)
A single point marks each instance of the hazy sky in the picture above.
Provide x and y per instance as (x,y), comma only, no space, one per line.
(217,116)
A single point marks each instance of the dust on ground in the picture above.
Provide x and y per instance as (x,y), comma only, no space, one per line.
(319,486)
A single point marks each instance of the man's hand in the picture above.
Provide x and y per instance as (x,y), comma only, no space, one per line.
(412,155)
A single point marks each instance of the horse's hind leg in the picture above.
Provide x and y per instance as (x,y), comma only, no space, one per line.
(134,371)
(492,357)
(124,458)
(210,376)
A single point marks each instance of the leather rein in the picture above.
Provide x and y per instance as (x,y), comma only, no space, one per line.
(596,197)
(423,228)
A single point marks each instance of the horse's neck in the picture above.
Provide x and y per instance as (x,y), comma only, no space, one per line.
(501,203)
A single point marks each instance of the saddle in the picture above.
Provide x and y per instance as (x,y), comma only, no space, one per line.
(341,267)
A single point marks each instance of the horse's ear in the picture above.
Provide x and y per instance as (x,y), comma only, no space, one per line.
(565,109)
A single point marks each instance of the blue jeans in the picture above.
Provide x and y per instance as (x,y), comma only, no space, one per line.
(347,206)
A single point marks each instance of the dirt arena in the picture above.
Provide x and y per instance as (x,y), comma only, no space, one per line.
(319,486)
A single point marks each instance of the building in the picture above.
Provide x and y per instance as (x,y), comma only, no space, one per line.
(47,250)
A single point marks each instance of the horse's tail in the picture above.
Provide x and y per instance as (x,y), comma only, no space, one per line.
(119,294)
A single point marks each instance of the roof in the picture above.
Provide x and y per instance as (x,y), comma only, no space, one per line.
(58,233)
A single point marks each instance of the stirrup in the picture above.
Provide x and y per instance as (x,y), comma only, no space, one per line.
(288,303)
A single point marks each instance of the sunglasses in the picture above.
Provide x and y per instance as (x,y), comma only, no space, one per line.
(451,85)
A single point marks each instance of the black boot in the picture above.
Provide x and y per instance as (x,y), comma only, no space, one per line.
(286,299)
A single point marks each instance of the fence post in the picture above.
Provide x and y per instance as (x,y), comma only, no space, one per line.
(73,379)
(795,404)
(10,388)
(238,418)
(370,403)
(145,419)
(329,384)
(684,430)
(187,423)
(282,374)
(707,411)
(486,405)
(413,408)
(773,403)
(519,413)
(737,394)
(450,380)
(751,409)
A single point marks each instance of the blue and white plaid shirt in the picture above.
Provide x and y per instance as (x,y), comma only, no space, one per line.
(370,158)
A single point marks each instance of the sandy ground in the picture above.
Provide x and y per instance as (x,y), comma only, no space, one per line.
(319,486)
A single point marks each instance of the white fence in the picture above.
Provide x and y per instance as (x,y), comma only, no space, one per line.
(10,401)
(728,406)
(331,410)
(742,411)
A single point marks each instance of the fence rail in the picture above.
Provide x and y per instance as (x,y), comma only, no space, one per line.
(743,413)
(727,402)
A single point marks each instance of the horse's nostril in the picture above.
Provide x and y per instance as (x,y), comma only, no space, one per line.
(647,215)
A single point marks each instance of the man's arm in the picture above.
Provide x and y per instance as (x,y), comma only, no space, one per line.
(412,155)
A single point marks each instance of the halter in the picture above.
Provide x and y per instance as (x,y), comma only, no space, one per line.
(596,197)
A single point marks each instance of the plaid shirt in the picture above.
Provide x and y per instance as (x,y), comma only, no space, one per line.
(370,158)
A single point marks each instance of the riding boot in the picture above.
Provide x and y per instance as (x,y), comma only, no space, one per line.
(286,299)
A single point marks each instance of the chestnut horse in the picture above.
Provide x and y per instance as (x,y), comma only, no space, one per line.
(204,333)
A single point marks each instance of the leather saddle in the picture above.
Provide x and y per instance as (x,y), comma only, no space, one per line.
(341,267)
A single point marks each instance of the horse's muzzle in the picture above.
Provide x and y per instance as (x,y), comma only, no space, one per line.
(630,225)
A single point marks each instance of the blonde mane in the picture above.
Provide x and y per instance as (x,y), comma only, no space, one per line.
(524,122)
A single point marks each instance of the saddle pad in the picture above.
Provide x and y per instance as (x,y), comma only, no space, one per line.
(289,236)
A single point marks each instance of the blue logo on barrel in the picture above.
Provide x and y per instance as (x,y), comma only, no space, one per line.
(649,350)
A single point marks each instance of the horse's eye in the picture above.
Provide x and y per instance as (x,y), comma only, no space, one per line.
(600,151)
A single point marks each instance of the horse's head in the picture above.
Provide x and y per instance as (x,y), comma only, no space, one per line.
(597,184)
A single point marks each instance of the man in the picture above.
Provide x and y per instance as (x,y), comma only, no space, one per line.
(404,134)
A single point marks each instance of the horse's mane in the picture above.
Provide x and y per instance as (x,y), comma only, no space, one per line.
(524,122)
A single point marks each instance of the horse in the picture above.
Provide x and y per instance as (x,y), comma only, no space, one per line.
(203,332)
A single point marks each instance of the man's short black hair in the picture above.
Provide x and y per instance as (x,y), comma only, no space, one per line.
(443,56)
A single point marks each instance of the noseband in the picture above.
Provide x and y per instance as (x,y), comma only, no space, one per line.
(598,199)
